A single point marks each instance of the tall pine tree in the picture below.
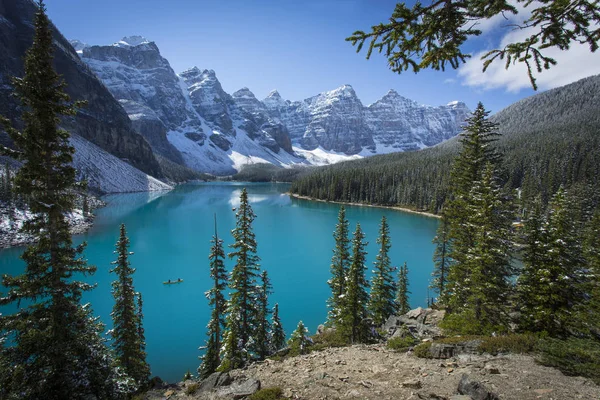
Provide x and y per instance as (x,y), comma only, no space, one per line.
(127,343)
(241,310)
(216,299)
(402,301)
(263,327)
(382,302)
(487,262)
(552,287)
(339,267)
(353,314)
(54,348)
(476,152)
(441,260)
(277,333)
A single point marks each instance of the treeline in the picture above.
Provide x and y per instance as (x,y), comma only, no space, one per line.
(547,141)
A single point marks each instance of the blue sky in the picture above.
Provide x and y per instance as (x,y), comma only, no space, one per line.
(298,48)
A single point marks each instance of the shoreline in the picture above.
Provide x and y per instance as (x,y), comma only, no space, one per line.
(401,209)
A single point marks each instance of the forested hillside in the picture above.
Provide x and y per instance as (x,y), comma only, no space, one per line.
(547,140)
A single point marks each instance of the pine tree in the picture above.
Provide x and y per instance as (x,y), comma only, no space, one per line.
(402,302)
(591,311)
(549,306)
(277,333)
(441,260)
(468,167)
(263,328)
(241,312)
(299,341)
(339,267)
(353,314)
(140,319)
(127,343)
(382,302)
(487,261)
(211,359)
(55,350)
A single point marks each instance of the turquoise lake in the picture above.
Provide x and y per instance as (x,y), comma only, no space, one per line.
(170,235)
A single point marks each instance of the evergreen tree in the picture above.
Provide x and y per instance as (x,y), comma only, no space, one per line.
(263,328)
(441,260)
(592,255)
(552,286)
(211,359)
(299,341)
(468,168)
(487,262)
(127,343)
(402,302)
(277,333)
(383,289)
(140,320)
(353,314)
(241,312)
(54,347)
(339,267)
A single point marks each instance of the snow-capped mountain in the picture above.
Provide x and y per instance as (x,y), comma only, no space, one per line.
(401,124)
(189,118)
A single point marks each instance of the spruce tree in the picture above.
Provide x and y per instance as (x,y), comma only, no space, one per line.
(402,301)
(263,328)
(476,152)
(382,302)
(140,320)
(441,260)
(353,314)
(299,341)
(241,311)
(127,343)
(216,299)
(591,311)
(487,262)
(339,267)
(277,333)
(550,305)
(54,349)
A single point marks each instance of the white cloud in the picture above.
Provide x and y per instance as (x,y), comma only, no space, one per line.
(573,64)
(450,81)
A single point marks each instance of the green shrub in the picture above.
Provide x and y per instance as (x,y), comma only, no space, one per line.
(191,389)
(422,350)
(466,323)
(514,343)
(329,338)
(572,356)
(401,343)
(459,339)
(272,393)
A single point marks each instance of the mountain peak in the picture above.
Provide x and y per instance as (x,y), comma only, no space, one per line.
(274,94)
(132,41)
(244,92)
(78,45)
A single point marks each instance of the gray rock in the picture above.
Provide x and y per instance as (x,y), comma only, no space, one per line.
(420,323)
(412,384)
(442,351)
(239,389)
(214,381)
(474,389)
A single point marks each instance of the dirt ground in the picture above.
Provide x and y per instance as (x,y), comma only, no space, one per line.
(374,372)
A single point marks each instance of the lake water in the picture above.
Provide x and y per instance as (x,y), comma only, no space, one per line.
(170,234)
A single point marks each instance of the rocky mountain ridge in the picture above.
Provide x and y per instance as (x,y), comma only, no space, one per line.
(189,118)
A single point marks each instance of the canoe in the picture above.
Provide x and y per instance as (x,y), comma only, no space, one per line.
(172,282)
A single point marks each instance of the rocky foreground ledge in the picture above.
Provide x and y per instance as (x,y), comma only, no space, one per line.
(377,372)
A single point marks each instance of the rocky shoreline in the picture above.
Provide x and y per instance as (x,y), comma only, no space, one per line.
(402,209)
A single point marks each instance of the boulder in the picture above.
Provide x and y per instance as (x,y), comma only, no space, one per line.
(214,381)
(474,389)
(420,323)
(239,389)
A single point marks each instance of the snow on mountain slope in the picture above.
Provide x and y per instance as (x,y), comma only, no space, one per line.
(107,173)
(191,120)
